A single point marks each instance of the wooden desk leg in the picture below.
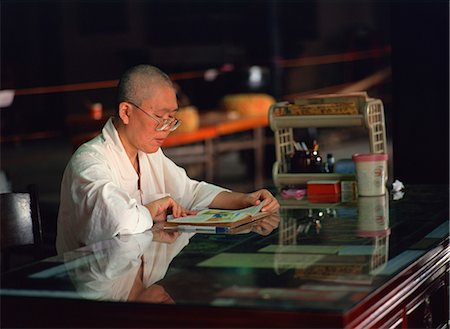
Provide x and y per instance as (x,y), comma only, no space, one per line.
(209,156)
(259,157)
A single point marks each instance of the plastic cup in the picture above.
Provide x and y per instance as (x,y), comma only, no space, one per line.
(371,173)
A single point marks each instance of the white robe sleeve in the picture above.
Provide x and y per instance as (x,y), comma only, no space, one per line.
(190,193)
(94,206)
(111,207)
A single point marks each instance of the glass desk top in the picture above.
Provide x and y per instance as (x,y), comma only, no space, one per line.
(309,257)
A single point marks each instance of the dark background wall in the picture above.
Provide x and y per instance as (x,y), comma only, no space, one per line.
(51,43)
(420,66)
(46,43)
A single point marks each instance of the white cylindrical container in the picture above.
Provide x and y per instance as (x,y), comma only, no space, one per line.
(371,173)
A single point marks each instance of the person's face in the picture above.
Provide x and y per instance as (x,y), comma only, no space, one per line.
(143,121)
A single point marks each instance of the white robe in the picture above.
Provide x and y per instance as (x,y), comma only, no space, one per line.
(100,197)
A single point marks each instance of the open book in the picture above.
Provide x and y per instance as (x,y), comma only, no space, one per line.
(219,218)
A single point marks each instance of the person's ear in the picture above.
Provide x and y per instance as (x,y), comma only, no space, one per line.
(124,112)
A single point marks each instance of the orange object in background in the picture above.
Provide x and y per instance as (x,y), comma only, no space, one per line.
(96,111)
(324,191)
(246,105)
(190,120)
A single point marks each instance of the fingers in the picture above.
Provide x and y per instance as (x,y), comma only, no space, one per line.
(271,203)
(166,205)
(175,207)
(188,212)
(182,212)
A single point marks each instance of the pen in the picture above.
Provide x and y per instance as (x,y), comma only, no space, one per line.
(209,229)
(304,146)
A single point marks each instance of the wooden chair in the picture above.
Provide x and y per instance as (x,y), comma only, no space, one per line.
(21,229)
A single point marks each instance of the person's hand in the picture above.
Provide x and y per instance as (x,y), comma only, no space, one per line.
(159,209)
(255,198)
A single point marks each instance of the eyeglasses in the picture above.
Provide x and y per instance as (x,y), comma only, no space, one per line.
(163,124)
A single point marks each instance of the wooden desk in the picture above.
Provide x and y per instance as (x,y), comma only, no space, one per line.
(298,275)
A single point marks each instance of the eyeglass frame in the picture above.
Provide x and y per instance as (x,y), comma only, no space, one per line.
(163,124)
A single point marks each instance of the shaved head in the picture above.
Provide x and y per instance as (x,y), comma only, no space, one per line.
(139,82)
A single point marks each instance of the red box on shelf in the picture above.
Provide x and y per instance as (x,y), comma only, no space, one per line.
(324,191)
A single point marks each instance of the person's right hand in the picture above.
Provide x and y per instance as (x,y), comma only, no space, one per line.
(160,208)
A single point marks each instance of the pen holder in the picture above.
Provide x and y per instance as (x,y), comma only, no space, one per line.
(301,162)
(306,162)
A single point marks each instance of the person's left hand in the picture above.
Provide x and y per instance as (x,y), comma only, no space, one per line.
(257,197)
(160,208)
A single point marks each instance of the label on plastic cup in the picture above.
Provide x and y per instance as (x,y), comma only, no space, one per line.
(371,173)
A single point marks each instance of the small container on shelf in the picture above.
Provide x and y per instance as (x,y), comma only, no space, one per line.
(300,162)
(324,191)
(293,193)
(329,164)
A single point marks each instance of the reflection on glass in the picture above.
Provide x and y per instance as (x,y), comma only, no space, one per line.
(342,244)
(373,222)
(263,226)
(373,216)
(125,268)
